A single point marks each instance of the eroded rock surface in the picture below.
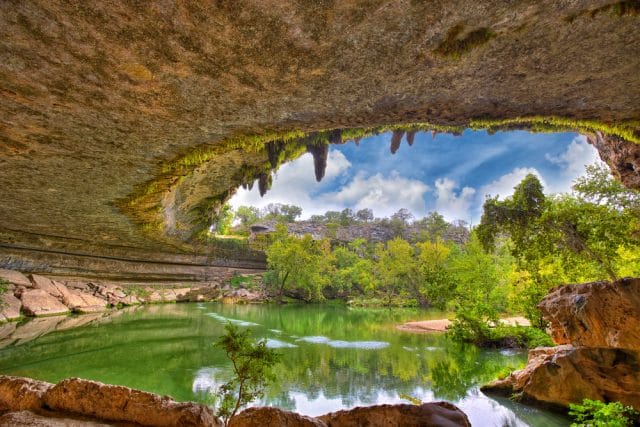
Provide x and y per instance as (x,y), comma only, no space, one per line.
(273,417)
(622,157)
(598,314)
(37,302)
(598,326)
(558,376)
(97,99)
(17,393)
(118,403)
(442,414)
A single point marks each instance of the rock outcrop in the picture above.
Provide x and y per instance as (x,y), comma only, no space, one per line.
(622,157)
(76,402)
(598,314)
(273,417)
(37,302)
(597,325)
(118,403)
(441,414)
(97,102)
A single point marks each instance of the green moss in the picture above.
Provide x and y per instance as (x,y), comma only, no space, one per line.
(454,47)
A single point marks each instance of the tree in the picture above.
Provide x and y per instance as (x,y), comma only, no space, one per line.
(395,267)
(252,363)
(248,215)
(364,215)
(435,285)
(433,227)
(300,266)
(282,212)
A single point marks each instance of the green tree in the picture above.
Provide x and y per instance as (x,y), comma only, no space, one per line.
(434,285)
(300,266)
(252,364)
(247,215)
(395,268)
(225,218)
(433,227)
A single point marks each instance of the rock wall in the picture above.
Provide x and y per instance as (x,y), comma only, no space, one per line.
(77,402)
(597,325)
(98,100)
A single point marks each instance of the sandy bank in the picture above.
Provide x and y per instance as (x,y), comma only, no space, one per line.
(441,325)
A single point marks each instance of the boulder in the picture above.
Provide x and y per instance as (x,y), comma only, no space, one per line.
(52,288)
(81,302)
(17,394)
(30,419)
(9,307)
(38,302)
(273,417)
(441,414)
(15,278)
(118,403)
(558,376)
(598,314)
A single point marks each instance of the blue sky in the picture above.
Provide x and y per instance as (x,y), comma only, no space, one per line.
(449,174)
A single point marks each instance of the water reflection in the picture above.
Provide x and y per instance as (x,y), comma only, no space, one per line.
(333,358)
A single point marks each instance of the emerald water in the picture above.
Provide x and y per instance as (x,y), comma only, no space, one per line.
(333,358)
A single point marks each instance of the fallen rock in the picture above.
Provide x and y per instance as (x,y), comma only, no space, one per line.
(29,419)
(15,278)
(38,302)
(81,302)
(9,307)
(118,403)
(598,314)
(558,376)
(17,393)
(273,417)
(48,285)
(441,414)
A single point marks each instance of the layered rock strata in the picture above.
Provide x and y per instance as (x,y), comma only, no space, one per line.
(77,402)
(597,325)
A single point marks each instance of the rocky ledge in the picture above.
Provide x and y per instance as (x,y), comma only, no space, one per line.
(77,402)
(41,296)
(597,325)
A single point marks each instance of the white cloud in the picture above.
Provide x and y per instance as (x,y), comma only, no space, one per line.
(572,161)
(503,186)
(383,194)
(294,183)
(451,203)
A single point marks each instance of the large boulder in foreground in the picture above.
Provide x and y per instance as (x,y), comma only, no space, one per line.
(30,419)
(441,414)
(9,307)
(273,417)
(17,393)
(598,314)
(558,376)
(118,403)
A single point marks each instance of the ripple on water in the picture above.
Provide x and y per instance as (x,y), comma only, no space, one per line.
(366,345)
(271,343)
(230,320)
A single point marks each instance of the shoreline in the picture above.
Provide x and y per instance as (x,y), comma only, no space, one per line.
(441,325)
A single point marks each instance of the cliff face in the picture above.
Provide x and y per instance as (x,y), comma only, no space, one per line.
(99,101)
(597,325)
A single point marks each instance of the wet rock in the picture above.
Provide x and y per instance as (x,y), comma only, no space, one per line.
(118,403)
(15,278)
(598,314)
(441,414)
(30,419)
(38,302)
(558,376)
(273,417)
(9,307)
(17,393)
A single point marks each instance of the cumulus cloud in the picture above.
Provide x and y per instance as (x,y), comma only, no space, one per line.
(451,202)
(383,194)
(572,161)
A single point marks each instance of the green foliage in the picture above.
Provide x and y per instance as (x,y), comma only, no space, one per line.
(225,218)
(4,286)
(466,328)
(300,266)
(238,280)
(252,364)
(599,414)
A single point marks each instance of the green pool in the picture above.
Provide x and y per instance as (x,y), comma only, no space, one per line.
(333,358)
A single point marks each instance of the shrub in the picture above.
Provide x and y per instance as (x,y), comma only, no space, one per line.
(599,414)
